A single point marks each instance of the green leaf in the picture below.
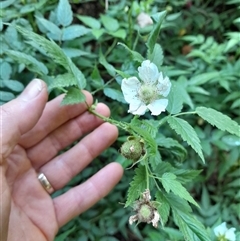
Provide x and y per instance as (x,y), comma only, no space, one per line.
(203,78)
(137,126)
(7,3)
(136,56)
(110,69)
(81,81)
(156,56)
(109,23)
(5,70)
(13,85)
(63,236)
(54,52)
(55,31)
(90,21)
(49,47)
(73,96)
(163,208)
(97,33)
(120,33)
(169,182)
(187,133)
(152,39)
(64,13)
(191,228)
(31,63)
(219,120)
(114,94)
(137,186)
(6,96)
(62,81)
(175,100)
(74,31)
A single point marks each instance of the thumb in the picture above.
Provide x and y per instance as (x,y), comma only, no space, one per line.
(21,114)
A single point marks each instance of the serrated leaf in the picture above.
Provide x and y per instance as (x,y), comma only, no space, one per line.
(64,13)
(152,39)
(62,81)
(191,228)
(163,208)
(114,94)
(31,63)
(156,56)
(90,21)
(219,120)
(74,31)
(137,186)
(187,133)
(170,183)
(49,47)
(136,56)
(54,52)
(81,81)
(55,31)
(175,100)
(73,96)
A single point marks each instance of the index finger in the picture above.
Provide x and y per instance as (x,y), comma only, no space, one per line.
(54,115)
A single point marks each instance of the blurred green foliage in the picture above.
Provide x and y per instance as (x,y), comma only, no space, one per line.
(201,47)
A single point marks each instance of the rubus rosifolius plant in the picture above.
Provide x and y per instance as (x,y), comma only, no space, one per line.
(155,103)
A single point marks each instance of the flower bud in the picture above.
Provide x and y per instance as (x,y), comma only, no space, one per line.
(132,149)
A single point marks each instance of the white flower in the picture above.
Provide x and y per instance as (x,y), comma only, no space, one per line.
(222,232)
(143,20)
(149,93)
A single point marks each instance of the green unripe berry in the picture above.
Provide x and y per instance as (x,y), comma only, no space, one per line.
(132,149)
(145,213)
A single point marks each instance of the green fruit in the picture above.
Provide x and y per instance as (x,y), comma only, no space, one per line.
(132,149)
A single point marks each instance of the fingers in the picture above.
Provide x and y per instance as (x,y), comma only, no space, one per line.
(82,197)
(63,168)
(65,135)
(54,116)
(21,114)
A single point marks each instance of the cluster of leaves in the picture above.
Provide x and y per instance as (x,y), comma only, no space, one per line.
(83,53)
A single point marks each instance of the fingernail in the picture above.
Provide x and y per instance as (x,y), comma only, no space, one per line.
(33,89)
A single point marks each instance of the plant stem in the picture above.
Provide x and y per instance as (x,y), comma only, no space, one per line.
(186,113)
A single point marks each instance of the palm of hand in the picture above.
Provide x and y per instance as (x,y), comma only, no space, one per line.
(33,214)
(33,134)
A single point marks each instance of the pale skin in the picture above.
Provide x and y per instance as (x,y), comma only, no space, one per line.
(33,131)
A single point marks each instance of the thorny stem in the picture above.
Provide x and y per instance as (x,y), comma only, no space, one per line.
(122,125)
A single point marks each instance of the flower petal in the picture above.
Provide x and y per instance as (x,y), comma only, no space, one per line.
(140,110)
(134,105)
(158,106)
(155,219)
(164,85)
(132,219)
(230,235)
(148,72)
(220,229)
(129,88)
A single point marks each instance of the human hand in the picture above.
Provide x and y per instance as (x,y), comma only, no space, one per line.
(32,134)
